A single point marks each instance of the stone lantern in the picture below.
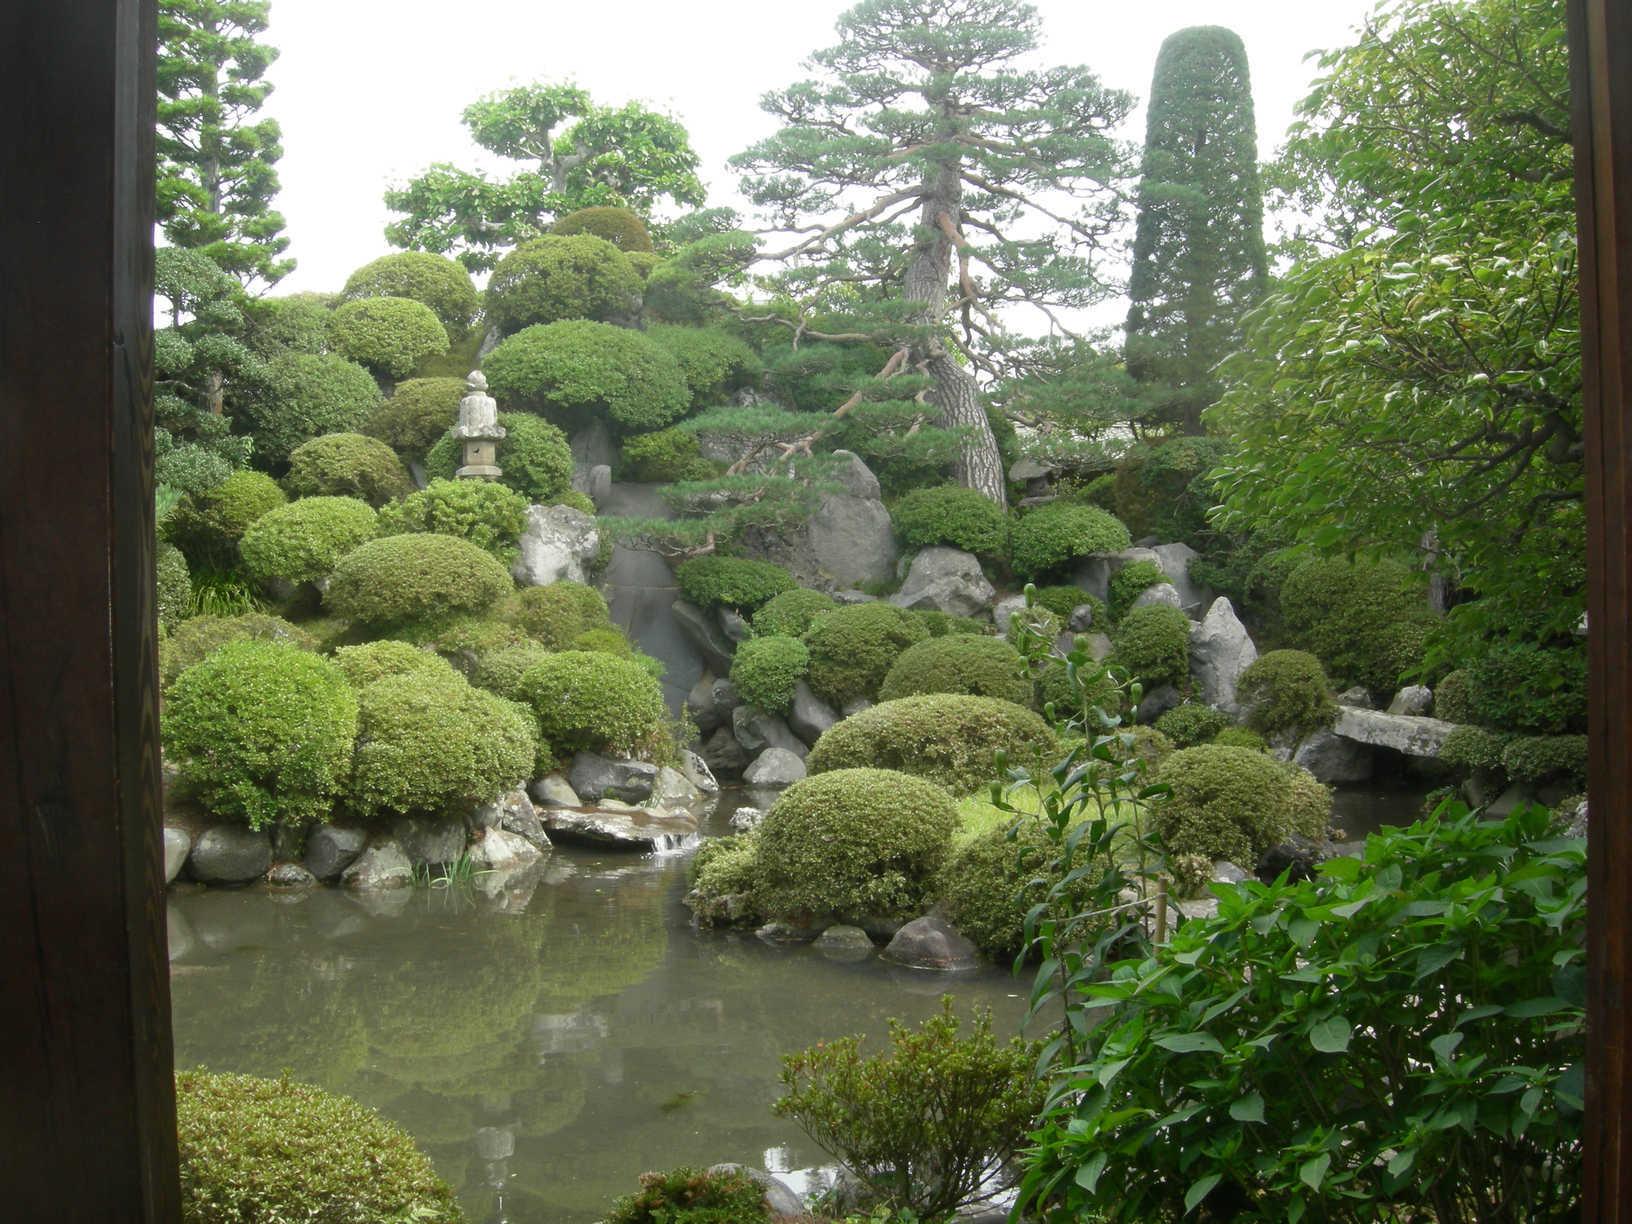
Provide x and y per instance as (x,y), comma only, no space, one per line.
(479,430)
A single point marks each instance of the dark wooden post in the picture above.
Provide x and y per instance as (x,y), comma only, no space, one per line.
(87,1109)
(1601,54)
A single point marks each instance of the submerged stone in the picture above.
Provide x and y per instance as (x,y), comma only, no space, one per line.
(931,942)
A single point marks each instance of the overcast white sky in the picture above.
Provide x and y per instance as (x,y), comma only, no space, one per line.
(369,91)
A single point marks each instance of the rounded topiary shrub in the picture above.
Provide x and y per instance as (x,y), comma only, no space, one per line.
(1224,803)
(1153,643)
(1311,803)
(948,739)
(487,514)
(207,526)
(663,457)
(557,615)
(1064,600)
(986,888)
(265,1149)
(389,335)
(1453,697)
(500,670)
(419,412)
(732,582)
(792,612)
(587,700)
(407,578)
(431,742)
(367,662)
(765,670)
(262,732)
(304,540)
(713,362)
(1286,691)
(853,843)
(1367,621)
(295,321)
(852,649)
(1130,582)
(300,396)
(580,371)
(1053,535)
(954,517)
(576,276)
(622,227)
(347,465)
(1544,758)
(199,636)
(962,663)
(1240,737)
(435,281)
(174,586)
(944,624)
(534,457)
(1192,723)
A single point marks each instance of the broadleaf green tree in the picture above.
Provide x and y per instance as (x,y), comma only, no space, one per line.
(217,158)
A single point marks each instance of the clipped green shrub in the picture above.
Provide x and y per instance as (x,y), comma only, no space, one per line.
(664,456)
(713,362)
(1540,758)
(300,396)
(430,742)
(1192,723)
(765,670)
(558,614)
(609,639)
(1366,620)
(389,335)
(423,578)
(586,700)
(265,1149)
(1311,803)
(732,582)
(622,227)
(1054,535)
(852,649)
(304,540)
(197,637)
(1522,686)
(727,867)
(1471,747)
(347,465)
(854,843)
(791,612)
(1224,803)
(1130,582)
(174,586)
(419,412)
(986,888)
(950,739)
(1156,490)
(534,457)
(1153,643)
(576,276)
(462,640)
(207,526)
(367,662)
(963,663)
(435,281)
(1240,737)
(294,321)
(500,670)
(954,517)
(578,371)
(487,514)
(1453,697)
(1287,691)
(262,732)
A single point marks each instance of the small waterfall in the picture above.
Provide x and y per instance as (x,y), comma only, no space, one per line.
(675,843)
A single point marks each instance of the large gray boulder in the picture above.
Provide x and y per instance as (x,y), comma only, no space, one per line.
(594,777)
(330,849)
(639,830)
(774,769)
(757,730)
(698,773)
(809,715)
(673,789)
(178,844)
(1093,574)
(428,841)
(1404,733)
(931,942)
(854,475)
(851,540)
(704,633)
(1220,650)
(552,790)
(1333,759)
(1175,561)
(500,848)
(723,755)
(231,854)
(558,543)
(381,865)
(1158,595)
(513,805)
(1414,699)
(711,702)
(945,580)
(733,624)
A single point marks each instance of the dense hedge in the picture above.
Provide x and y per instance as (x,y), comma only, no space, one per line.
(1224,803)
(1153,643)
(1543,758)
(589,700)
(1130,582)
(500,670)
(407,578)
(1287,691)
(207,526)
(197,637)
(174,586)
(853,843)
(766,669)
(962,663)
(1453,697)
(954,517)
(347,465)
(1522,686)
(487,514)
(852,649)
(1056,534)
(557,614)
(262,732)
(534,457)
(367,662)
(435,281)
(1192,723)
(732,582)
(263,1149)
(1367,621)
(430,742)
(622,227)
(300,396)
(419,412)
(579,371)
(713,362)
(389,335)
(949,739)
(546,280)
(792,612)
(304,540)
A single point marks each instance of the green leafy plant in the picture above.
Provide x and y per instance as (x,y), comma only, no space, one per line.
(408,578)
(1453,697)
(961,663)
(500,670)
(300,396)
(389,335)
(692,1196)
(1537,758)
(792,612)
(201,635)
(1367,621)
(487,514)
(732,582)
(174,586)
(347,465)
(852,649)
(954,517)
(534,457)
(1050,537)
(587,700)
(1192,723)
(1522,686)
(1224,803)
(713,362)
(207,526)
(556,277)
(304,540)
(577,371)
(1153,643)
(622,227)
(1064,600)
(223,593)
(1286,692)
(431,280)
(558,614)
(663,456)
(766,669)
(419,412)
(367,662)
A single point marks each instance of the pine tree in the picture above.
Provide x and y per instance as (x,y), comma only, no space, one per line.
(1198,254)
(216,178)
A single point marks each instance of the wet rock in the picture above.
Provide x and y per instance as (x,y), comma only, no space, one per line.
(557,544)
(931,942)
(290,875)
(1081,619)
(1298,855)
(855,706)
(1159,595)
(945,580)
(512,805)
(1414,699)
(231,854)
(1413,736)
(787,933)
(381,865)
(1098,646)
(774,768)
(427,840)
(1574,820)
(711,702)
(724,755)
(854,476)
(809,715)
(746,818)
(178,843)
(782,1202)
(1333,759)
(733,625)
(1356,696)
(698,773)
(1220,650)
(596,777)
(844,942)
(1226,872)
(592,447)
(552,790)
(1517,795)
(674,789)
(757,730)
(330,849)
(527,825)
(639,830)
(704,633)
(499,848)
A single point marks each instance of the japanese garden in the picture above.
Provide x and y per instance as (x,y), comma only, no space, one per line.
(974,663)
